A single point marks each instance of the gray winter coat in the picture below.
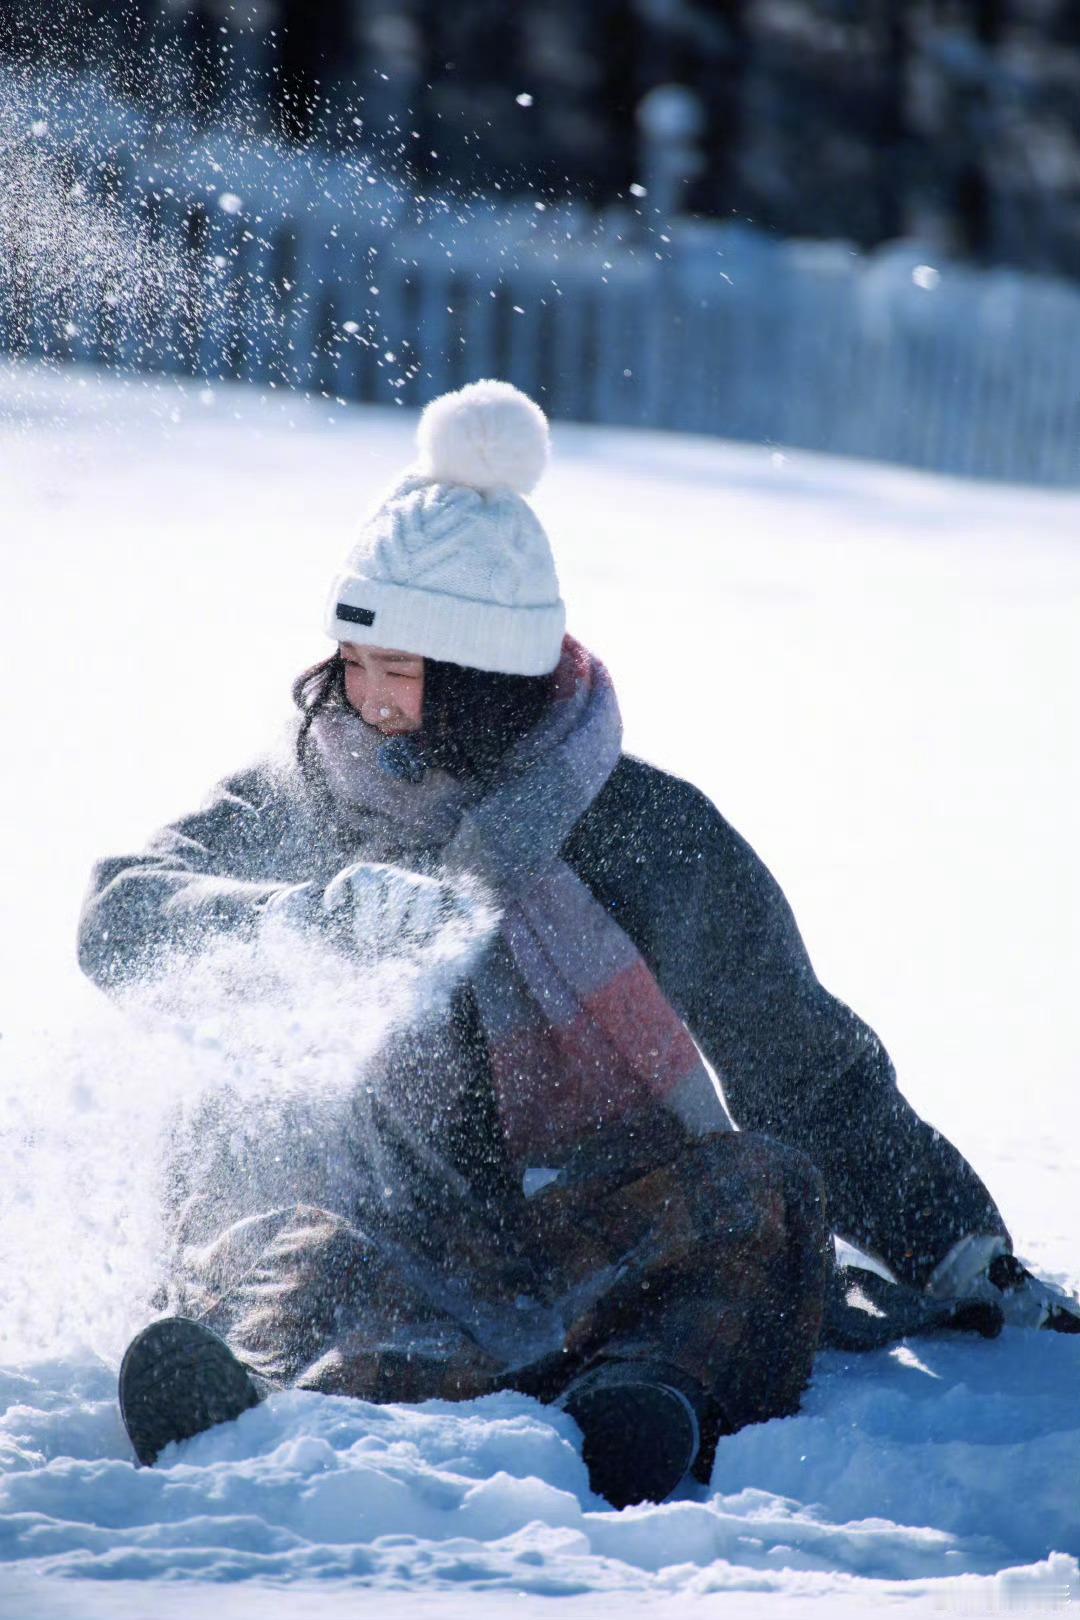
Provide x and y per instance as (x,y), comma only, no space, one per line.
(707,917)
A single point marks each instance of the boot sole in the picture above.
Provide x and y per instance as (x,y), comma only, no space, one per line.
(613,1421)
(178,1379)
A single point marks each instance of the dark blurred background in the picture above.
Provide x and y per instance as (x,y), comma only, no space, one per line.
(953,121)
(848,225)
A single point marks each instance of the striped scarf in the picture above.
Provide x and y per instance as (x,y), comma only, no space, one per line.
(578,1031)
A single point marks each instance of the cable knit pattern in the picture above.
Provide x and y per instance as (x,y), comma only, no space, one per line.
(455,570)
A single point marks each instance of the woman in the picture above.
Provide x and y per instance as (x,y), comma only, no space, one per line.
(547,1193)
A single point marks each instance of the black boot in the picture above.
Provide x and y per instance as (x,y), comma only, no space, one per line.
(641,1427)
(178,1378)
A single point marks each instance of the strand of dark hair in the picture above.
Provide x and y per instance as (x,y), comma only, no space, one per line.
(320,687)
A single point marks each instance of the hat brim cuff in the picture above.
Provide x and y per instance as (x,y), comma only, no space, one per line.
(454,629)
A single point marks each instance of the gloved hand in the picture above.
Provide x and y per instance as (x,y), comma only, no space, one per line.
(395,913)
(864,1311)
(980,1270)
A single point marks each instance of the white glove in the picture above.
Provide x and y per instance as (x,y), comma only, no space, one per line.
(980,1267)
(400,913)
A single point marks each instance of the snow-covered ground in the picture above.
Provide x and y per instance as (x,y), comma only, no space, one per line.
(875,674)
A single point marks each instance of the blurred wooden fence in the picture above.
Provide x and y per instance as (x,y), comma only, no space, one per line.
(219,258)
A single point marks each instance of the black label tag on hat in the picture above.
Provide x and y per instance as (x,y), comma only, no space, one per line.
(353,615)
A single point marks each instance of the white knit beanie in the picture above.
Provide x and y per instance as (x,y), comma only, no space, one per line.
(454,564)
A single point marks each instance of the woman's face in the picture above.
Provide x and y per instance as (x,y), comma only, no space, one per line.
(385,688)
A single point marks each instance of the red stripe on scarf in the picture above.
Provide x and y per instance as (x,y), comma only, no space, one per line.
(625,1051)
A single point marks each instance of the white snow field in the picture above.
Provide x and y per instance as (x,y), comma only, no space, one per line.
(875,674)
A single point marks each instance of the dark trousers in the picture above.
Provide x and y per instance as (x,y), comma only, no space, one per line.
(712,1263)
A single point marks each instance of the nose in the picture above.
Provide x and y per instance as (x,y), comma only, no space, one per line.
(377,704)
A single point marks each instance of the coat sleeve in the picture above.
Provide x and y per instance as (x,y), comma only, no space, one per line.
(792,1059)
(208,873)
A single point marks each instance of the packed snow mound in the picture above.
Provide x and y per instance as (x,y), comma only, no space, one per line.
(929,1462)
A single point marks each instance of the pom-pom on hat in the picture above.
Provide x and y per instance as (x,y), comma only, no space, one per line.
(454,564)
